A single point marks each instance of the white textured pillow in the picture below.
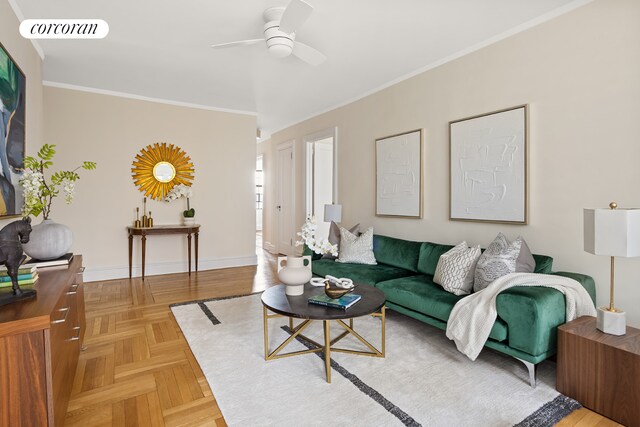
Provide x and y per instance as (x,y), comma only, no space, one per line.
(499,259)
(456,268)
(356,249)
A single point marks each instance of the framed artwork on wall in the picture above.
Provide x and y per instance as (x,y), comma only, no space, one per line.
(488,167)
(12,134)
(399,175)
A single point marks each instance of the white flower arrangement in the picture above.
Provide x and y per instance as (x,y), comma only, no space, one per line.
(178,192)
(308,235)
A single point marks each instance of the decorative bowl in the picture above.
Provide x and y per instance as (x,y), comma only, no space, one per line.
(334,292)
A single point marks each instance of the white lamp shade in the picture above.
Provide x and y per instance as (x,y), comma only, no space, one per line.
(333,213)
(612,232)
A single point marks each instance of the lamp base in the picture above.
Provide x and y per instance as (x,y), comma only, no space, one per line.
(612,322)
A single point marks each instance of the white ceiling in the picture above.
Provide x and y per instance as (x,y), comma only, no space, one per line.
(160,48)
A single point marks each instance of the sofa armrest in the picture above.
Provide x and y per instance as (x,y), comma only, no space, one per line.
(586,281)
(532,315)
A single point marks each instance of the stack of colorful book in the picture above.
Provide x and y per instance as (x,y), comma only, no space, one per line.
(27,275)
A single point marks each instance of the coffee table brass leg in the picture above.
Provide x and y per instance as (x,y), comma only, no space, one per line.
(383,328)
(327,350)
(291,323)
(266,332)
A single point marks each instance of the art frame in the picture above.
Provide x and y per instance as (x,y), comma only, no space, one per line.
(13,85)
(400,175)
(488,167)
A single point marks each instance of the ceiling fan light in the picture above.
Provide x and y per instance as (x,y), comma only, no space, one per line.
(280,50)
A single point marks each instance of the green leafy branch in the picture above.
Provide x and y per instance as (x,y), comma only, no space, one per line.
(38,200)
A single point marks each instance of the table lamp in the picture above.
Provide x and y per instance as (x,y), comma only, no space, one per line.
(333,213)
(616,233)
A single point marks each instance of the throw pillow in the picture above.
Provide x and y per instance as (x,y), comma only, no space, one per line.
(356,249)
(456,268)
(499,259)
(334,237)
(525,262)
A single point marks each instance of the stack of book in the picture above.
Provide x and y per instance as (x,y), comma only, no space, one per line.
(27,275)
(63,261)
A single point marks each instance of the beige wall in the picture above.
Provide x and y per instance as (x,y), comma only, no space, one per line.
(25,55)
(111,130)
(579,74)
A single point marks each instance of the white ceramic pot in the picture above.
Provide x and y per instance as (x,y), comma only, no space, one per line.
(294,272)
(48,240)
(188,221)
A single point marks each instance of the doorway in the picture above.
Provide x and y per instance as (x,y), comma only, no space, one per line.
(320,176)
(285,190)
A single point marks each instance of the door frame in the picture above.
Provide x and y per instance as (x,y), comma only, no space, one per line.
(283,146)
(331,132)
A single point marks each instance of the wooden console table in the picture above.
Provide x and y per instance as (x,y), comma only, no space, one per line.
(143,232)
(599,370)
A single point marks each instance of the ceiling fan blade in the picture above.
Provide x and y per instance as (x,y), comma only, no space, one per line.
(238,43)
(295,15)
(308,54)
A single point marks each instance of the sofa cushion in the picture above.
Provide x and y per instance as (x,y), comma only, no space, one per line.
(359,273)
(429,256)
(356,249)
(397,252)
(544,264)
(420,294)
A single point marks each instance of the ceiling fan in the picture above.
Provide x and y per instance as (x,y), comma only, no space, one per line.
(280,33)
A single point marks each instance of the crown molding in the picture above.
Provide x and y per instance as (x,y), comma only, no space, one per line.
(145,98)
(20,16)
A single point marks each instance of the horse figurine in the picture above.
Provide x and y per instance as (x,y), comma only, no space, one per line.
(12,237)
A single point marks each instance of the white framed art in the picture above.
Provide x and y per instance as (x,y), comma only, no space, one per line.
(399,173)
(488,167)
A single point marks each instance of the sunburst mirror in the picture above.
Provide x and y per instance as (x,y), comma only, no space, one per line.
(158,167)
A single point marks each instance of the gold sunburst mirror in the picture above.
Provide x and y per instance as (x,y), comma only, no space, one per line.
(159,167)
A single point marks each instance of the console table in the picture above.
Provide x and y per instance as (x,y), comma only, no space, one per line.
(143,232)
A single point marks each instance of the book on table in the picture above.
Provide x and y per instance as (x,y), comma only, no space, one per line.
(21,282)
(344,302)
(64,260)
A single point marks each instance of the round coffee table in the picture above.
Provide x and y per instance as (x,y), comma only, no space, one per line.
(275,300)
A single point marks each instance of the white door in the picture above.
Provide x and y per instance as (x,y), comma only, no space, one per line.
(284,199)
(322,182)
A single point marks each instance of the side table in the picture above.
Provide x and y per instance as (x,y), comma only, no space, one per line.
(599,370)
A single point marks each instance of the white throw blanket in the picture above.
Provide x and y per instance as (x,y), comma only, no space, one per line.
(473,317)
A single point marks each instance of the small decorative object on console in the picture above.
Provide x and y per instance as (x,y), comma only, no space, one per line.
(182,191)
(12,237)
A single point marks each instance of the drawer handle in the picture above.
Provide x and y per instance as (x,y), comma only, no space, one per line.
(64,318)
(77,337)
(81,270)
(72,293)
(75,286)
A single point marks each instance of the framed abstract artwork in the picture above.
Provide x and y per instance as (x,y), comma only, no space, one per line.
(399,173)
(488,167)
(12,134)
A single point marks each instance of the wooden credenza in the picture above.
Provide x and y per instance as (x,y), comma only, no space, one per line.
(40,341)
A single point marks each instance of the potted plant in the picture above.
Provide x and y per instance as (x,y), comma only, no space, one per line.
(49,240)
(183,191)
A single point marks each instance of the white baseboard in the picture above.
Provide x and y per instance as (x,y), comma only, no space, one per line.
(270,247)
(122,272)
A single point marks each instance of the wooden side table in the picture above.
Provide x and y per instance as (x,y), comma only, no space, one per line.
(599,370)
(143,232)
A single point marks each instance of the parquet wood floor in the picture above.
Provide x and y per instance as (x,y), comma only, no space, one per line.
(138,370)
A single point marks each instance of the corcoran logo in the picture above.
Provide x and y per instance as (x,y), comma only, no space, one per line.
(64,29)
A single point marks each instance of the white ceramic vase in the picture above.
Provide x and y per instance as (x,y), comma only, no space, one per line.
(294,272)
(188,220)
(48,240)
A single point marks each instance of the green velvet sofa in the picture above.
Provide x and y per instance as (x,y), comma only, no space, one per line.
(528,317)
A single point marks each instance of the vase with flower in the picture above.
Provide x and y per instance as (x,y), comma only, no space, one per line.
(295,271)
(182,191)
(49,239)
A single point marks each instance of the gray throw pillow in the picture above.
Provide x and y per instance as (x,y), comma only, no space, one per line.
(356,249)
(334,237)
(525,262)
(497,260)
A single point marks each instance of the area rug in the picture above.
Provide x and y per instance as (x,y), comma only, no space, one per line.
(423,380)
